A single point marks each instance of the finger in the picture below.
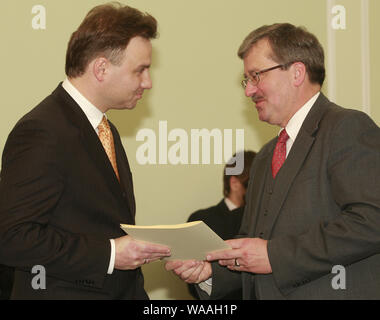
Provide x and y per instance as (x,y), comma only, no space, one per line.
(142,262)
(186,269)
(229,262)
(194,276)
(232,264)
(235,243)
(224,255)
(179,266)
(174,264)
(203,273)
(146,261)
(155,255)
(153,248)
(151,260)
(191,275)
(236,268)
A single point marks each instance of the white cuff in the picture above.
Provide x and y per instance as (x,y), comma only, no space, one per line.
(206,286)
(112,259)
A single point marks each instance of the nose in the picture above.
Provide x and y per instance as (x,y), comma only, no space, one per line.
(250,89)
(146,82)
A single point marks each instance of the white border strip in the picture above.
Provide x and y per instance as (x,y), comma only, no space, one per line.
(331,54)
(366,69)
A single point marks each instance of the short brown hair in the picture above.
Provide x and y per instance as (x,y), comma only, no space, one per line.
(290,44)
(106,30)
(243,177)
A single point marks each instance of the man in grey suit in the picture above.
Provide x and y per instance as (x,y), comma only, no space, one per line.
(311,226)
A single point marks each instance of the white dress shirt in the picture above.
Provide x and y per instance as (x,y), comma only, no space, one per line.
(295,123)
(95,116)
(230,205)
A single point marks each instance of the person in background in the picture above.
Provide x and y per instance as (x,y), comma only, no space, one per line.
(225,217)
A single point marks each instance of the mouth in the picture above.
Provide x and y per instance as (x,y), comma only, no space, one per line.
(258,100)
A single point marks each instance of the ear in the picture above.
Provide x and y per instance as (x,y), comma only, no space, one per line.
(99,68)
(299,73)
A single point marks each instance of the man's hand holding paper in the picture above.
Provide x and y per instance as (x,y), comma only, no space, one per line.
(190,271)
(247,254)
(131,253)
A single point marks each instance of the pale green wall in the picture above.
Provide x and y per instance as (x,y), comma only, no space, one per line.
(196,84)
(348,57)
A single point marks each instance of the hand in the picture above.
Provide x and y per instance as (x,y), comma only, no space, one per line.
(131,254)
(191,271)
(251,255)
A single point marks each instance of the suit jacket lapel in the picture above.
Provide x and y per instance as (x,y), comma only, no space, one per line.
(125,174)
(90,139)
(300,149)
(222,207)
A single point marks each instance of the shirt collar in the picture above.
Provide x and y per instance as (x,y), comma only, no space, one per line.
(93,114)
(230,205)
(295,123)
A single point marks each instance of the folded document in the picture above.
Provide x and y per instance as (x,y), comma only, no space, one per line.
(192,240)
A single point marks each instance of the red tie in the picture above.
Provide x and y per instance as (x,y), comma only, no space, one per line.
(279,154)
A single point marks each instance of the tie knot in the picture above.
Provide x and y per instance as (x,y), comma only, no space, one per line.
(283,136)
(103,125)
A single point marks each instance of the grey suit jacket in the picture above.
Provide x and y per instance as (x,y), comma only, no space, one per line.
(325,211)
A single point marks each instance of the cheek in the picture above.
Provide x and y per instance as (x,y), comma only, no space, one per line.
(127,79)
(133,84)
(276,95)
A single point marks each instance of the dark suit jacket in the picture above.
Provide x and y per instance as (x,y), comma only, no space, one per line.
(219,218)
(324,211)
(226,225)
(6,282)
(60,203)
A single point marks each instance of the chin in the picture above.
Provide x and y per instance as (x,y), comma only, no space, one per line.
(129,106)
(262,116)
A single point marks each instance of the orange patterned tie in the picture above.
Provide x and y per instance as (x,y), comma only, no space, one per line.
(105,136)
(279,154)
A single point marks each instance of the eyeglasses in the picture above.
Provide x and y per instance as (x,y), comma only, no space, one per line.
(255,77)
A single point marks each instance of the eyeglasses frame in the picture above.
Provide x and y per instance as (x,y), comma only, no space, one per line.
(257,74)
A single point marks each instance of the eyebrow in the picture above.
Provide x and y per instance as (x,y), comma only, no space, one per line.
(142,67)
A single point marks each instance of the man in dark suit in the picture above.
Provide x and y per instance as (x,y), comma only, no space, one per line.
(66,184)
(311,226)
(225,217)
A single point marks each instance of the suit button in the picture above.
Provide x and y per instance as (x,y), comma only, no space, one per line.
(261,235)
